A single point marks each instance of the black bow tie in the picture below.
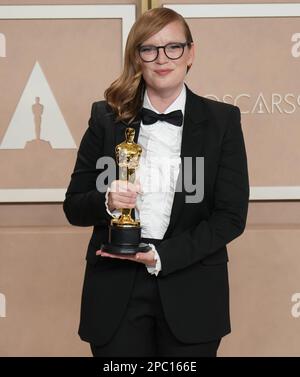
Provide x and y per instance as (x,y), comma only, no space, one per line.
(150,117)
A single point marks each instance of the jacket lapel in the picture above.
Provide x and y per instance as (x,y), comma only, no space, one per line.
(195,122)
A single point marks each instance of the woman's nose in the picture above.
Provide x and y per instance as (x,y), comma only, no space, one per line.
(161,58)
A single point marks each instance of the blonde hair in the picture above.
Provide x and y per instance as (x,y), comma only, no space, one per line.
(125,94)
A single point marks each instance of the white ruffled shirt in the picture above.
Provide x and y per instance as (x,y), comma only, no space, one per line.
(157,173)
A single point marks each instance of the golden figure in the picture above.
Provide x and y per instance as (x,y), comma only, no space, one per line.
(128,155)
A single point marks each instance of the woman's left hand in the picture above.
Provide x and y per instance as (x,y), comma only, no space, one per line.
(146,258)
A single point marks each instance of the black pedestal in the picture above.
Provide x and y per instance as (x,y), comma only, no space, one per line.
(125,240)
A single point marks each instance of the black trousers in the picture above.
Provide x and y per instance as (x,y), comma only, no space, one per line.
(143,330)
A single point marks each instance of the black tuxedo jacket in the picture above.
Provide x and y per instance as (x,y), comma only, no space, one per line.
(193,282)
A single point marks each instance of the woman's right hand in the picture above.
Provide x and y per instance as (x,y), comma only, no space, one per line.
(122,194)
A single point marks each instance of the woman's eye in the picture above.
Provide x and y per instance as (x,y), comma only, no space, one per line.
(148,49)
(173,46)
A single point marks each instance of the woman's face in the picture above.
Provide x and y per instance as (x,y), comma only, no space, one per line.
(165,74)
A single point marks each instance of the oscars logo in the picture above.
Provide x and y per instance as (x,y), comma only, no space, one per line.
(262,103)
(37,119)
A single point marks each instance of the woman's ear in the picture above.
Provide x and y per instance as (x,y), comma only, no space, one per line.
(191,55)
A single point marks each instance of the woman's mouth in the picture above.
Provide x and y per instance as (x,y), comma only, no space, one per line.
(163,72)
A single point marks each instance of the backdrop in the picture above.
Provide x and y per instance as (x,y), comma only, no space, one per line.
(54,62)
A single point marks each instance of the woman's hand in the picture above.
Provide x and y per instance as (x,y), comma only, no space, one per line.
(146,258)
(122,194)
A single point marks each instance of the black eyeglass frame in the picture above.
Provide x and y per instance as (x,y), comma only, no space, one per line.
(182,44)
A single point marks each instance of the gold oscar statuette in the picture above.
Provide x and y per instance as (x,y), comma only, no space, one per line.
(124,231)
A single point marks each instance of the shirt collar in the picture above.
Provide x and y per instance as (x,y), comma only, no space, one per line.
(177,104)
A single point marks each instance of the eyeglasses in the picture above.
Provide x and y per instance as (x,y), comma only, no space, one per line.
(172,51)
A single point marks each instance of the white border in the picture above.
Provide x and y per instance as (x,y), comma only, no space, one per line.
(126,12)
(236,10)
(32,12)
(240,11)
(275,193)
(32,195)
(58,195)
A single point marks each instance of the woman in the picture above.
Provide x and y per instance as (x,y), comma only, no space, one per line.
(174,299)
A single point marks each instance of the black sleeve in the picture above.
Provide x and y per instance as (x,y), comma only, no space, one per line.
(228,217)
(84,205)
